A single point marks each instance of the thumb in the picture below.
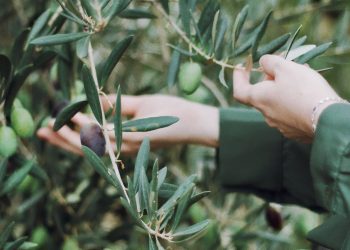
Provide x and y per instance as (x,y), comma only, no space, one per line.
(241,85)
(271,64)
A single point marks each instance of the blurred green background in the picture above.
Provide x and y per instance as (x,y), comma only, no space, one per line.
(75,206)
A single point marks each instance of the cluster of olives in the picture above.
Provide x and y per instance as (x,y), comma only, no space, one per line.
(190,76)
(22,125)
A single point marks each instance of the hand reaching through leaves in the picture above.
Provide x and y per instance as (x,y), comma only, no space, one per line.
(198,124)
(287,97)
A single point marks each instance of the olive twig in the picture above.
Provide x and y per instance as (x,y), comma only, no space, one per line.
(104,125)
(182,34)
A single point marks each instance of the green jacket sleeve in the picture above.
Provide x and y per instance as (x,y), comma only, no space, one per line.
(257,159)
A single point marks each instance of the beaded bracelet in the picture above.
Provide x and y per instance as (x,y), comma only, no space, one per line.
(319,104)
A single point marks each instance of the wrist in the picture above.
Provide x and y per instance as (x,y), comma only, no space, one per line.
(321,106)
(206,129)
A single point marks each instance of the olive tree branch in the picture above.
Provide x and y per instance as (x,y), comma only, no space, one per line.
(111,154)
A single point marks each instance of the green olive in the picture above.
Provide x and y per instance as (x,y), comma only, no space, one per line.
(70,244)
(8,141)
(22,122)
(197,213)
(201,95)
(40,236)
(17,103)
(190,76)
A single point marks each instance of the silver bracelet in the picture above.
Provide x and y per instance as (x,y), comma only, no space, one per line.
(319,104)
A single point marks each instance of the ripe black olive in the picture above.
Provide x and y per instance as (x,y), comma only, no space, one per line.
(274,218)
(91,136)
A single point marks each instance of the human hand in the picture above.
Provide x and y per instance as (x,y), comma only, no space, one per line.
(198,124)
(287,97)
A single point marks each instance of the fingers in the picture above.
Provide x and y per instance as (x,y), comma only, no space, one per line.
(271,64)
(241,86)
(53,138)
(130,104)
(80,119)
(72,137)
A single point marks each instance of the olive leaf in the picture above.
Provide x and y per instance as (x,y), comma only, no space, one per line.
(181,50)
(18,48)
(220,33)
(151,244)
(153,196)
(67,113)
(82,47)
(16,178)
(166,190)
(15,86)
(58,39)
(15,244)
(3,167)
(207,15)
(181,208)
(144,191)
(239,22)
(118,129)
(272,46)
(149,124)
(90,8)
(173,200)
(39,25)
(107,173)
(141,162)
(214,27)
(161,176)
(92,94)
(259,34)
(114,58)
(5,75)
(299,51)
(116,7)
(292,41)
(6,233)
(132,194)
(197,197)
(185,16)
(222,77)
(173,68)
(191,231)
(319,50)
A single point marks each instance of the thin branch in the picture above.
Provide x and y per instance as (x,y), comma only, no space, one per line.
(104,125)
(215,91)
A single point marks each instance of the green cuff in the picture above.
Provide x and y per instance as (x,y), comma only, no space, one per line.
(255,158)
(333,234)
(330,159)
(250,152)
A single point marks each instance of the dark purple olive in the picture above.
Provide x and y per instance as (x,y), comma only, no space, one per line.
(91,136)
(274,218)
